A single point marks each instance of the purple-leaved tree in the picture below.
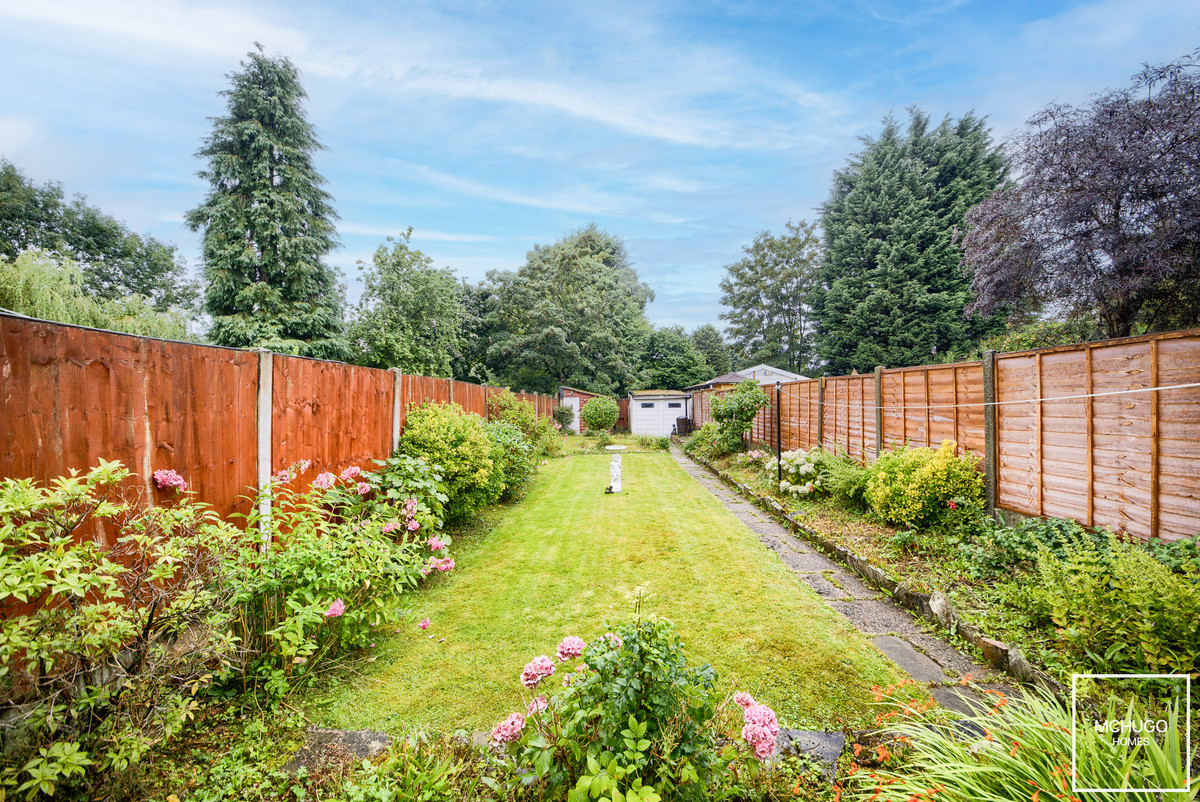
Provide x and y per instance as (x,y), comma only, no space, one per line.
(1105,220)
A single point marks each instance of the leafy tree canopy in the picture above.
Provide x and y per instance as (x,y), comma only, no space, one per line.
(712,347)
(889,290)
(267,221)
(572,314)
(670,361)
(114,262)
(410,313)
(1105,223)
(50,286)
(766,292)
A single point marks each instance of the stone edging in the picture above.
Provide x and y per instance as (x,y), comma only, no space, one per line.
(932,607)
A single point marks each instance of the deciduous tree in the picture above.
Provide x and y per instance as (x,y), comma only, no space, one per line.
(766,297)
(1105,223)
(712,347)
(572,314)
(889,288)
(114,262)
(267,220)
(410,313)
(670,361)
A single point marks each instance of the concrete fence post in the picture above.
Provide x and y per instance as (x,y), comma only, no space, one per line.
(878,411)
(396,407)
(990,440)
(266,381)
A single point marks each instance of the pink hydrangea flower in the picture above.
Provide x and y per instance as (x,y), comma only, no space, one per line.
(761,729)
(335,609)
(390,526)
(424,624)
(350,473)
(744,700)
(414,525)
(435,544)
(165,479)
(571,646)
(363,488)
(324,481)
(537,704)
(536,670)
(508,730)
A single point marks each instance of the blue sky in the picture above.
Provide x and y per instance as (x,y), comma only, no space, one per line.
(683,127)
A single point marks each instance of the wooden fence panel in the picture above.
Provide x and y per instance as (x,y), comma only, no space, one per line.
(416,390)
(470,397)
(923,406)
(333,414)
(1101,447)
(70,396)
(849,416)
(798,414)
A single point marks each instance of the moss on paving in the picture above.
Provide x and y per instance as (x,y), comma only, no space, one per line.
(564,562)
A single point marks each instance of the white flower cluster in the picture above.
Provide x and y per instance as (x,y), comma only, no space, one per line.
(800,475)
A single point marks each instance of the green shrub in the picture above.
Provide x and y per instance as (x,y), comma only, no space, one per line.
(563,414)
(103,650)
(651,442)
(513,458)
(734,412)
(844,479)
(455,442)
(540,433)
(920,488)
(996,549)
(401,478)
(600,414)
(703,442)
(636,719)
(1181,556)
(1120,609)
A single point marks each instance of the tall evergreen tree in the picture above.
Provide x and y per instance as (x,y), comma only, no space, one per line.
(765,294)
(712,347)
(268,223)
(889,290)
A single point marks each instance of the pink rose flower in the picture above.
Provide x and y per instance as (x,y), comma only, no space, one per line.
(536,670)
(424,624)
(508,730)
(165,479)
(571,646)
(324,481)
(363,488)
(537,704)
(335,609)
(350,473)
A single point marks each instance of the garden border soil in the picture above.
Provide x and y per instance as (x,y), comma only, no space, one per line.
(932,607)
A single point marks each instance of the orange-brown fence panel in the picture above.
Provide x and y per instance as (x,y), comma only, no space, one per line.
(925,405)
(333,414)
(470,397)
(1101,446)
(798,414)
(417,390)
(849,416)
(70,396)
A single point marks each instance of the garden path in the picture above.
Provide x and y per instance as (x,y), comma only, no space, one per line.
(891,628)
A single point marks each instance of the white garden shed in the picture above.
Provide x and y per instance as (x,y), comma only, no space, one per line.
(653,412)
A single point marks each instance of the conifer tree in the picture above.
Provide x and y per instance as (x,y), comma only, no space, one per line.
(267,221)
(712,347)
(889,289)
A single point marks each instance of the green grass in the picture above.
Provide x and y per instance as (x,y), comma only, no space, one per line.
(565,560)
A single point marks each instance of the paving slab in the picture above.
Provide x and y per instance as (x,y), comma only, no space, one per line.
(877,617)
(918,666)
(851,584)
(826,747)
(325,746)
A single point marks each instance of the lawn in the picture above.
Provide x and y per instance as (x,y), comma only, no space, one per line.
(565,561)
